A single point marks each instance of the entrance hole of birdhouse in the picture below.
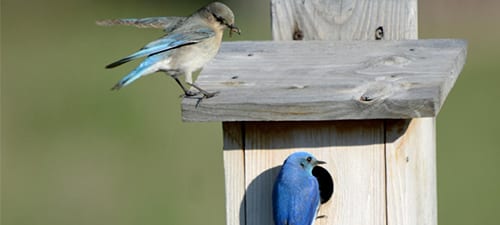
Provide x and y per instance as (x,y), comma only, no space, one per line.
(325,182)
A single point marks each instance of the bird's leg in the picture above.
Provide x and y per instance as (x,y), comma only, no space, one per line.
(186,91)
(320,216)
(206,94)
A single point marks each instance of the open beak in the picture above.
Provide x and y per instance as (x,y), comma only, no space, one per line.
(233,28)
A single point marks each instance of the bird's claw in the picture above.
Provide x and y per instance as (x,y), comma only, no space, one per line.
(205,94)
(209,94)
(191,94)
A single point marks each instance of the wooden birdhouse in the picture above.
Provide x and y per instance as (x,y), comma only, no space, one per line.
(347,81)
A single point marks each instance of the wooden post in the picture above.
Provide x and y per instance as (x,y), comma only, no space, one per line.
(357,103)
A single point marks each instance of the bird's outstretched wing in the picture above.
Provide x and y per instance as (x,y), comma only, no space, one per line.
(168,42)
(166,23)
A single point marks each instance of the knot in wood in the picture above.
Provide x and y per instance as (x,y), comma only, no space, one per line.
(376,91)
(395,60)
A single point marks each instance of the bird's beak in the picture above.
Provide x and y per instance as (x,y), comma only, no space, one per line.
(320,162)
(233,28)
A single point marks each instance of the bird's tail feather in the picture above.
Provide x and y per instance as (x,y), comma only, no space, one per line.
(119,62)
(131,77)
(143,69)
(129,58)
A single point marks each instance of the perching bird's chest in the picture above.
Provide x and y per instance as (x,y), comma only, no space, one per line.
(364,99)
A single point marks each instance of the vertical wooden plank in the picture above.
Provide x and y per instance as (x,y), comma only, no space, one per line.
(343,19)
(410,148)
(356,164)
(411,172)
(234,172)
(411,185)
(359,169)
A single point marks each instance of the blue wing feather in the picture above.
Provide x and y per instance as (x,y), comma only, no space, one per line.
(306,203)
(166,43)
(313,197)
(295,203)
(281,202)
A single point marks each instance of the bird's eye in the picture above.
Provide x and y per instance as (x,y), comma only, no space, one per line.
(219,19)
(309,159)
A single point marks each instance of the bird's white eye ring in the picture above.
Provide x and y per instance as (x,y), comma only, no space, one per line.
(309,159)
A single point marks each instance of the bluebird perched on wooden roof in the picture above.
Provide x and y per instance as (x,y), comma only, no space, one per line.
(296,192)
(190,42)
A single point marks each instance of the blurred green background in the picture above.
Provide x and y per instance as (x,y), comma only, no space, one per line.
(72,152)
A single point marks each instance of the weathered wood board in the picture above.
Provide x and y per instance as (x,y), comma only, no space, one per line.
(385,169)
(411,171)
(357,167)
(344,19)
(325,80)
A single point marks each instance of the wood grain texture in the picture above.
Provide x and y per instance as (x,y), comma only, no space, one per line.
(411,172)
(234,172)
(343,19)
(356,164)
(320,80)
(358,159)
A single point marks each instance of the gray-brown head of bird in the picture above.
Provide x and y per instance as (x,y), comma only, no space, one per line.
(222,15)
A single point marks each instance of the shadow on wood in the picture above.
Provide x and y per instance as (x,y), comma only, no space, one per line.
(355,151)
(259,187)
(277,135)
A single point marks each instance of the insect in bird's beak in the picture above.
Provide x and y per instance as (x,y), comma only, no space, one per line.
(233,28)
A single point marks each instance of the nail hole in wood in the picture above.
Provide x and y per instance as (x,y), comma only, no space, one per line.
(298,34)
(379,33)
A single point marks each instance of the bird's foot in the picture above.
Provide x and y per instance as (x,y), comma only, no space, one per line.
(189,94)
(209,94)
(199,95)
(322,217)
(205,94)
